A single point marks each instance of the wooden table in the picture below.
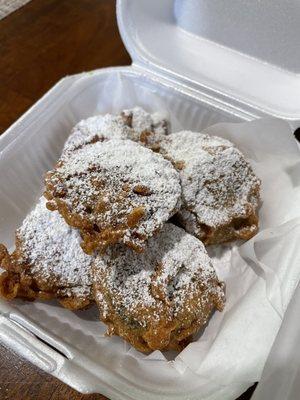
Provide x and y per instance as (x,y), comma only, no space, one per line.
(39,44)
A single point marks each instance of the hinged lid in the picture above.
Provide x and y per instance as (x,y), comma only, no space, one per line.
(244,52)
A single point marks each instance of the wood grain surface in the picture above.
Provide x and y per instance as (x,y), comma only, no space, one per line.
(39,44)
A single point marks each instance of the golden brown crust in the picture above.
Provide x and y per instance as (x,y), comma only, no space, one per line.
(240,228)
(168,334)
(17,282)
(20,285)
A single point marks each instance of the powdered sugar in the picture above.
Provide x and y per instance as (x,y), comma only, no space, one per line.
(141,121)
(115,173)
(52,249)
(217,182)
(107,126)
(174,266)
(130,124)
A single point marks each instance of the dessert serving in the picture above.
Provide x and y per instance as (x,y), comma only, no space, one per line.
(220,191)
(103,234)
(159,298)
(47,263)
(114,191)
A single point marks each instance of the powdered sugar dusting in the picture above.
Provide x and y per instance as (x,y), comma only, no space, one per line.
(217,182)
(141,121)
(129,125)
(114,170)
(172,267)
(107,126)
(52,249)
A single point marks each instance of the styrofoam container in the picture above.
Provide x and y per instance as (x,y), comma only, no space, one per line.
(176,67)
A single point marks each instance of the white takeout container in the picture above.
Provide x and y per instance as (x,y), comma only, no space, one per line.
(188,54)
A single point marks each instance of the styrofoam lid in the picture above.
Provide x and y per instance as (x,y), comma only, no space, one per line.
(245,52)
